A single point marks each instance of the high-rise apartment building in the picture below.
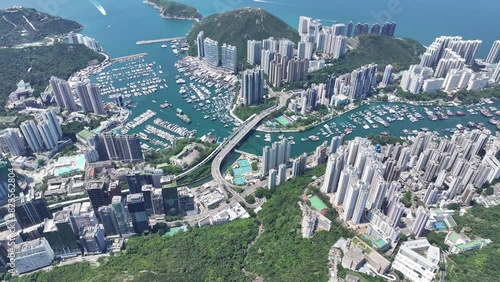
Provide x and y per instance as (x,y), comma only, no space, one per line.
(200,44)
(62,94)
(254,50)
(12,142)
(32,136)
(118,147)
(211,48)
(229,58)
(90,97)
(252,86)
(494,54)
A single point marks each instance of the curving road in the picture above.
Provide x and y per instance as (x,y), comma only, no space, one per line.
(230,143)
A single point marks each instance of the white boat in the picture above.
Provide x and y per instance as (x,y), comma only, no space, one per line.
(164,46)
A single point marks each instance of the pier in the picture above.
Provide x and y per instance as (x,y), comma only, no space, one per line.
(142,42)
(129,57)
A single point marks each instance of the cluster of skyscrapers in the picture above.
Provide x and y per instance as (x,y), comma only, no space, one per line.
(307,101)
(77,38)
(88,94)
(88,228)
(451,56)
(82,228)
(274,161)
(368,182)
(357,84)
(90,97)
(208,50)
(310,29)
(42,134)
(338,90)
(279,60)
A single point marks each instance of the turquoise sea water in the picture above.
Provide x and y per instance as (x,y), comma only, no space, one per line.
(128,21)
(423,20)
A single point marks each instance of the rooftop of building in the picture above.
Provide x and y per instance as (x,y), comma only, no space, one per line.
(62,216)
(471,244)
(28,245)
(91,185)
(134,198)
(90,231)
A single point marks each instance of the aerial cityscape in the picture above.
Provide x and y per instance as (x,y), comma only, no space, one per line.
(247,141)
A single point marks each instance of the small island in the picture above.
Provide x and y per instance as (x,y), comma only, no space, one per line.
(175,10)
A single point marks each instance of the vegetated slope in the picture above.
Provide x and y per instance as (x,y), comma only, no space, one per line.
(281,254)
(379,49)
(37,64)
(480,265)
(237,26)
(171,9)
(25,25)
(202,254)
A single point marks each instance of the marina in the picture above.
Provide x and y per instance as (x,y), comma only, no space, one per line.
(395,119)
(202,99)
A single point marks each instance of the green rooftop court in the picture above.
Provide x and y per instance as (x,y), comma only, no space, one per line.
(85,134)
(283,120)
(317,203)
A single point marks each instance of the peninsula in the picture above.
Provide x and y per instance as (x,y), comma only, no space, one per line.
(175,10)
(20,25)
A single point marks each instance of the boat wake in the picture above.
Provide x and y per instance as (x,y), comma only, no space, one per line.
(99,7)
(270,2)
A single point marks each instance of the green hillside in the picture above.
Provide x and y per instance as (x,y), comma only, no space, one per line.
(171,9)
(379,49)
(237,26)
(15,29)
(202,254)
(37,64)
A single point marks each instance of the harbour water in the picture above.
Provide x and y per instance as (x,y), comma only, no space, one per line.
(129,21)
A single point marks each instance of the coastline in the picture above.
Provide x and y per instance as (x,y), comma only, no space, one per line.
(162,10)
(391,101)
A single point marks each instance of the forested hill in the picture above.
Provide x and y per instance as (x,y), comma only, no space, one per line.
(25,25)
(37,64)
(237,26)
(176,10)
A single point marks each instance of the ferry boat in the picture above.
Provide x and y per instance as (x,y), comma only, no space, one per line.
(183,116)
(313,138)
